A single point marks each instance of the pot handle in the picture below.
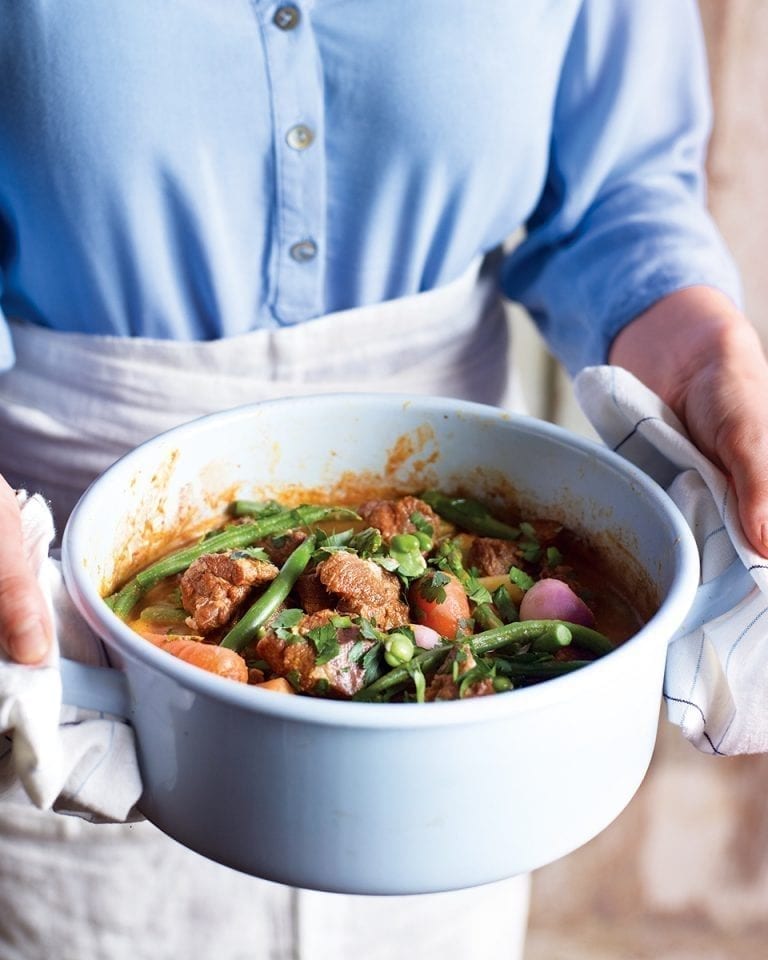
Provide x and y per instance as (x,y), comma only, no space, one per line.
(716,597)
(94,688)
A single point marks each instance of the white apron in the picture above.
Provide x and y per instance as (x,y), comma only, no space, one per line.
(70,890)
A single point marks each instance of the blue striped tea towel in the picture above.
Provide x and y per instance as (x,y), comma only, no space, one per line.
(716,678)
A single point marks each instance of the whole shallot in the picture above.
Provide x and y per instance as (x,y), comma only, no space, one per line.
(552,599)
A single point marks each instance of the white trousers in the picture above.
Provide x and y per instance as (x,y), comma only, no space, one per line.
(71,890)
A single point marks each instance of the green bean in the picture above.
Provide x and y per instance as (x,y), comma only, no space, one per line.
(590,640)
(256,616)
(526,630)
(469,515)
(543,670)
(231,538)
(255,508)
(486,616)
(519,633)
(553,639)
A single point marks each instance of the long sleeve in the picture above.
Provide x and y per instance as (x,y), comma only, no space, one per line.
(6,347)
(621,220)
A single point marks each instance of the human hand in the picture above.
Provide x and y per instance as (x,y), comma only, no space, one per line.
(25,628)
(704,359)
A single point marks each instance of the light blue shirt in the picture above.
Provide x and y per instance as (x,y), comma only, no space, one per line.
(196,169)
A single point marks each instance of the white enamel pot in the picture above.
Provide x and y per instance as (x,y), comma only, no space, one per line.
(379,798)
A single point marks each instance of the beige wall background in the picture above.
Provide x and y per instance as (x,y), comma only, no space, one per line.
(683,872)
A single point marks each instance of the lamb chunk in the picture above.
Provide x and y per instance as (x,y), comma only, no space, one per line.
(279,548)
(364,588)
(339,676)
(394,516)
(312,594)
(546,531)
(215,586)
(492,557)
(443,687)
(271,647)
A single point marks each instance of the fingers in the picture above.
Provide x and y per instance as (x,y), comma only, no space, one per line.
(742,449)
(726,412)
(25,630)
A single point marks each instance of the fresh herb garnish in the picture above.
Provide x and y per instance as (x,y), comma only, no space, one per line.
(419,681)
(285,623)
(505,605)
(449,558)
(250,553)
(432,586)
(333,542)
(554,557)
(367,543)
(325,642)
(372,664)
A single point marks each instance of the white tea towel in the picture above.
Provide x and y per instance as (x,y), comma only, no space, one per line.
(716,679)
(76,761)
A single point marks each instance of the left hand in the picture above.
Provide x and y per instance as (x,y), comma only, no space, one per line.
(699,353)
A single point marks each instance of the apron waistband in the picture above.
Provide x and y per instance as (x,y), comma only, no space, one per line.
(75,402)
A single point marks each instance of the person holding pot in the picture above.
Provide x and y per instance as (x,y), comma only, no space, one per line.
(207,205)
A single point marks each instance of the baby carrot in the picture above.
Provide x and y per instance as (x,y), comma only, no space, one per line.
(218,660)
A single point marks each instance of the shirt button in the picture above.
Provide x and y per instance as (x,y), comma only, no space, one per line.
(304,251)
(299,137)
(287,17)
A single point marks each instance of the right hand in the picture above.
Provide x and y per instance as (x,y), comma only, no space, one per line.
(706,361)
(25,627)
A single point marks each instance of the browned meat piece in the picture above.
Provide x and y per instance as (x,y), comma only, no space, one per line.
(393,516)
(215,586)
(271,648)
(278,549)
(364,588)
(312,594)
(443,687)
(492,557)
(339,677)
(546,531)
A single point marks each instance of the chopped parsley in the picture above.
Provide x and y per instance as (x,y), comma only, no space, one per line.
(285,623)
(505,605)
(325,642)
(554,557)
(432,586)
(368,543)
(250,553)
(419,681)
